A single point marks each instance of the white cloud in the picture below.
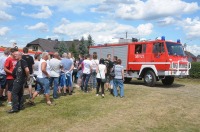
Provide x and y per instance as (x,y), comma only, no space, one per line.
(102,32)
(194,49)
(191,27)
(39,26)
(12,41)
(166,21)
(149,9)
(64,21)
(4,31)
(4,16)
(64,5)
(4,4)
(44,13)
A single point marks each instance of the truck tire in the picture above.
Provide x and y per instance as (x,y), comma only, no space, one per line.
(127,80)
(168,81)
(150,78)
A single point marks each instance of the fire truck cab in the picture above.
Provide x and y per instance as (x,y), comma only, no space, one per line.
(149,60)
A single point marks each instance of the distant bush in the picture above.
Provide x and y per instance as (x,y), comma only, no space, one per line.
(195,70)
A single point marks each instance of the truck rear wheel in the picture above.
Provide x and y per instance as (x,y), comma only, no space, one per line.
(127,80)
(150,78)
(168,80)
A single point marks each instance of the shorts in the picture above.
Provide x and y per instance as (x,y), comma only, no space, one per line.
(66,80)
(3,82)
(10,84)
(79,74)
(31,81)
(107,78)
(43,83)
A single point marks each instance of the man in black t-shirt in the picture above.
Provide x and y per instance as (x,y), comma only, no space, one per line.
(109,66)
(20,74)
(30,62)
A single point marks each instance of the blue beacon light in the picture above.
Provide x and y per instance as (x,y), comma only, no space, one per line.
(163,38)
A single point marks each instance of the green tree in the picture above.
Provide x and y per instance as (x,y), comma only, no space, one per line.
(73,50)
(90,41)
(62,48)
(82,47)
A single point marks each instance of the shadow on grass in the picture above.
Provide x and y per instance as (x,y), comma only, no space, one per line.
(157,85)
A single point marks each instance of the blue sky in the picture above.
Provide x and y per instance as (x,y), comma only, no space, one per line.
(23,21)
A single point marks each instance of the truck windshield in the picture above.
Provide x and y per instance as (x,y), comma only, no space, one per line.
(175,49)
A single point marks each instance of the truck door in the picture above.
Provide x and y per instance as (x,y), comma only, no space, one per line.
(159,56)
(138,56)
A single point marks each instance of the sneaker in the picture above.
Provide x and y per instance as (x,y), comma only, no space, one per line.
(70,93)
(9,104)
(12,111)
(31,102)
(50,103)
(97,94)
(102,95)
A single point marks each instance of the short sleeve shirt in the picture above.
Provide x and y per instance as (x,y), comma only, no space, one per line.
(86,66)
(19,71)
(30,62)
(118,71)
(54,67)
(95,64)
(66,63)
(36,68)
(101,71)
(2,62)
(108,64)
(10,65)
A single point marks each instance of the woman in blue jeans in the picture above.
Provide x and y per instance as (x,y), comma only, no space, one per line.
(118,79)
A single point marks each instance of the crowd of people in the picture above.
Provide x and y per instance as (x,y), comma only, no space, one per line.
(56,72)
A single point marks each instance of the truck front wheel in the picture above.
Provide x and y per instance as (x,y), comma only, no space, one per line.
(150,78)
(168,80)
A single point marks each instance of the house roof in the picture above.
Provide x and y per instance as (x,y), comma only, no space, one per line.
(51,45)
(198,56)
(190,54)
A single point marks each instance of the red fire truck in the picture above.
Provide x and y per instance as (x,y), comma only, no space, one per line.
(149,60)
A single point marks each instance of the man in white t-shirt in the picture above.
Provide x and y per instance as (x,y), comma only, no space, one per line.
(55,65)
(87,67)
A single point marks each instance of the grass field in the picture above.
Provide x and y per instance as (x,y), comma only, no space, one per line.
(157,109)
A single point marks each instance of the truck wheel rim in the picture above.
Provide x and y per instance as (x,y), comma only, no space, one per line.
(148,78)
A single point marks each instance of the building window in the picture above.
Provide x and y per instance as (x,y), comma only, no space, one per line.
(35,48)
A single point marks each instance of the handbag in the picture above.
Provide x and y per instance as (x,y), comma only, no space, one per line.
(112,73)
